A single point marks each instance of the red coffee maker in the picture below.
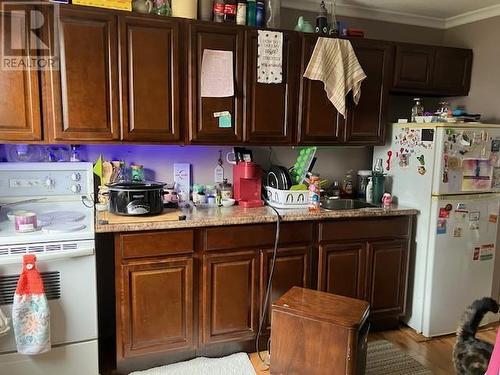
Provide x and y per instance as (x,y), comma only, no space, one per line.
(247,177)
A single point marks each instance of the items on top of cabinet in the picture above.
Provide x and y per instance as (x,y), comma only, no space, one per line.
(322,20)
(334,63)
(304,25)
(143,6)
(110,4)
(260,14)
(230,11)
(219,11)
(251,12)
(241,12)
(184,8)
(417,109)
(205,9)
(273,13)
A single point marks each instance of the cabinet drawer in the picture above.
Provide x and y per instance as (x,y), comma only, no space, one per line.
(149,244)
(252,236)
(394,227)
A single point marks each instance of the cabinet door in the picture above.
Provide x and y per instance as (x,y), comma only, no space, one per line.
(271,109)
(229,301)
(204,125)
(366,121)
(19,87)
(157,306)
(82,97)
(150,79)
(319,121)
(414,67)
(342,269)
(452,71)
(291,269)
(387,277)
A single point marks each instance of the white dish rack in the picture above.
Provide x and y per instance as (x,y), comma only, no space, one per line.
(287,198)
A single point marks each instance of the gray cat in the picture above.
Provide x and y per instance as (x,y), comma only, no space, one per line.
(471,355)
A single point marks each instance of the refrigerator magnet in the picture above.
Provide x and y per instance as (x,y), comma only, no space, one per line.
(444,213)
(493,218)
(457,232)
(474,216)
(477,253)
(487,252)
(441,226)
(474,225)
(422,170)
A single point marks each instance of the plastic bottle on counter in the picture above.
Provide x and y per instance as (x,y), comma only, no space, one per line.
(219,6)
(230,10)
(369,191)
(241,12)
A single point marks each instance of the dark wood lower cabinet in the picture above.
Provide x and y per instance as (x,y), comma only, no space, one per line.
(157,310)
(229,301)
(386,287)
(292,268)
(182,293)
(342,269)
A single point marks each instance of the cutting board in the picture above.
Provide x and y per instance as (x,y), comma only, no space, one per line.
(167,215)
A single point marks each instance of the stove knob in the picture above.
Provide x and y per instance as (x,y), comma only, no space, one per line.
(76,176)
(76,188)
(49,182)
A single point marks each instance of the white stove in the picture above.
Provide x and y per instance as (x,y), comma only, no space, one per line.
(65,248)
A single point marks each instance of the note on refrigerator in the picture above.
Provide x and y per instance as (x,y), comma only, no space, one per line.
(217,77)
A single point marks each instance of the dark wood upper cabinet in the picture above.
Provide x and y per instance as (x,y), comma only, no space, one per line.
(151,80)
(413,67)
(20,115)
(342,269)
(387,277)
(271,110)
(157,306)
(319,121)
(435,71)
(291,269)
(230,296)
(452,70)
(81,99)
(366,121)
(203,124)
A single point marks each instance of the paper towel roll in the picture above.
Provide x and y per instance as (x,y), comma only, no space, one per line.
(185,8)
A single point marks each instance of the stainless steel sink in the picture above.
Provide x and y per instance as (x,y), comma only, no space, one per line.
(344,204)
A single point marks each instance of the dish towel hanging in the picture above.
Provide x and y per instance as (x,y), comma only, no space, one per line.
(335,64)
(30,311)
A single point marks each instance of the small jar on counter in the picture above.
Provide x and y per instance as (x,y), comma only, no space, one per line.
(226,190)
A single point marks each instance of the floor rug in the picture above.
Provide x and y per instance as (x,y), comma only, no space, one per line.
(386,359)
(236,364)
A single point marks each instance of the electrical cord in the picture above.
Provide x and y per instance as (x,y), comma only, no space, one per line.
(263,314)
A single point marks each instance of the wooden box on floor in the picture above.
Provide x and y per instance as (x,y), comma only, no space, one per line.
(317,333)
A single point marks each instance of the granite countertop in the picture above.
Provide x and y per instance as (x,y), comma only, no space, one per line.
(236,215)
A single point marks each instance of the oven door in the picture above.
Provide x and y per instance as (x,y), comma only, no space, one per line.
(70,285)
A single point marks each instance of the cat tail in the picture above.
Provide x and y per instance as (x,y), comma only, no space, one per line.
(473,315)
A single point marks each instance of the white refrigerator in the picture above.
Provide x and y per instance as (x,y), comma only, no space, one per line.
(451,174)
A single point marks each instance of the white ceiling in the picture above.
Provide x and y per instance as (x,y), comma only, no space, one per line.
(431,13)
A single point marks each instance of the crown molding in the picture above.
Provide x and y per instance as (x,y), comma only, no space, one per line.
(473,16)
(398,17)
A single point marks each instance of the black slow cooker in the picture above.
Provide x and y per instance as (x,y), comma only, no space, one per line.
(136,198)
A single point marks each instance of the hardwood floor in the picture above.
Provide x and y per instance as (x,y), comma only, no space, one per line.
(435,354)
